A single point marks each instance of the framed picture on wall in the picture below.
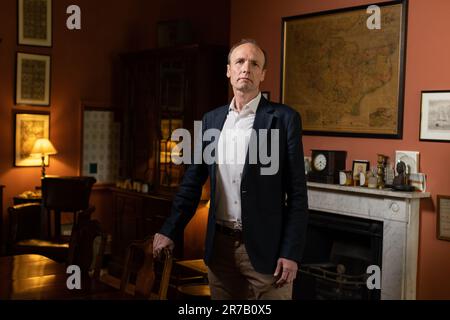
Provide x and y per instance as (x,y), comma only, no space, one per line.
(435,116)
(28,127)
(344,78)
(33,79)
(35,22)
(443,219)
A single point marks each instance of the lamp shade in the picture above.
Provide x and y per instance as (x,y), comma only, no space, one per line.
(43,147)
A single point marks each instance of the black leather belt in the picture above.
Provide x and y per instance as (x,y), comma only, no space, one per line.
(228,231)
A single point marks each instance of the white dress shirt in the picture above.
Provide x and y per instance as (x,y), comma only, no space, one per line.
(231,153)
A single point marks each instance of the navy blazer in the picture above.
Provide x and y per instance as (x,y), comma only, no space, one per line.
(274,207)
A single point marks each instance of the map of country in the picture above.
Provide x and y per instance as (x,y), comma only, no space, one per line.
(342,76)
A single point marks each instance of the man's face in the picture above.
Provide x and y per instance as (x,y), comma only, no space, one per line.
(245,69)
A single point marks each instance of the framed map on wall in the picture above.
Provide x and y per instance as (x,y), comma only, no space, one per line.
(344,75)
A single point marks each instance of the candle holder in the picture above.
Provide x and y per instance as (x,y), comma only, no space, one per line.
(382,159)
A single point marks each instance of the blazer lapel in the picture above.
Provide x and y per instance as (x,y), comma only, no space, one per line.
(263,120)
(219,117)
(264,115)
(219,120)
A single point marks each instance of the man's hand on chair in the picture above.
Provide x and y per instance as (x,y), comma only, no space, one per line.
(161,242)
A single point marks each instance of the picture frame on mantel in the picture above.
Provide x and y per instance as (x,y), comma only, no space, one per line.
(33,79)
(350,81)
(435,116)
(34,22)
(443,217)
(358,167)
(410,158)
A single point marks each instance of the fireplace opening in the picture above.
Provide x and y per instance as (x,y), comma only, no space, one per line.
(338,251)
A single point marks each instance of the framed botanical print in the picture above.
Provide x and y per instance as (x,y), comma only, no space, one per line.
(33,79)
(28,127)
(35,22)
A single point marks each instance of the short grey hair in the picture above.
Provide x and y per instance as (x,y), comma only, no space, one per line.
(252,41)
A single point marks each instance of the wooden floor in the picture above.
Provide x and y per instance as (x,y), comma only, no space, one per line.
(35,277)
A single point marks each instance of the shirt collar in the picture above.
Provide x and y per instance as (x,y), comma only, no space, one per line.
(251,106)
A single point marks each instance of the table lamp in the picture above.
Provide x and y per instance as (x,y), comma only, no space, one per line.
(43,147)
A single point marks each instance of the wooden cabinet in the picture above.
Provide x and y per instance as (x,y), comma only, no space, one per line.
(136,216)
(161,90)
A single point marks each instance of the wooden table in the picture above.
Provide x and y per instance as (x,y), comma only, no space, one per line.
(21,200)
(35,277)
(197,265)
(193,287)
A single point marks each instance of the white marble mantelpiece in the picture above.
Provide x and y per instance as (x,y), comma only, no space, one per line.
(399,212)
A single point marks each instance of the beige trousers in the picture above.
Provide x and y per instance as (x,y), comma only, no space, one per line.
(231,274)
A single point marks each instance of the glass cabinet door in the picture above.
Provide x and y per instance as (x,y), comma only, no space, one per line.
(173,86)
(169,173)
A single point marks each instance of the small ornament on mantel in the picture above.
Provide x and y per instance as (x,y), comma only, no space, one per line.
(389,175)
(380,172)
(401,179)
(372,183)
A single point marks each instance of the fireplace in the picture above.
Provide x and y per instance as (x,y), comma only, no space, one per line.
(338,251)
(370,211)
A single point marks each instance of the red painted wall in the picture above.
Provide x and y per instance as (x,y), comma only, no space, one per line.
(427,65)
(82,69)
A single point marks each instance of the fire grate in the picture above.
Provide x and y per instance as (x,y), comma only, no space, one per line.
(332,282)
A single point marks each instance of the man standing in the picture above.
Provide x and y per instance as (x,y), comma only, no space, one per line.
(257,222)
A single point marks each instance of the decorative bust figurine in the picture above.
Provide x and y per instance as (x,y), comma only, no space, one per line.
(400,178)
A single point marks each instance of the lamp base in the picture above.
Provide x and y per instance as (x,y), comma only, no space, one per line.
(43,167)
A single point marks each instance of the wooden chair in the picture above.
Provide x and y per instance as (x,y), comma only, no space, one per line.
(87,247)
(25,234)
(30,227)
(147,271)
(143,277)
(63,194)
